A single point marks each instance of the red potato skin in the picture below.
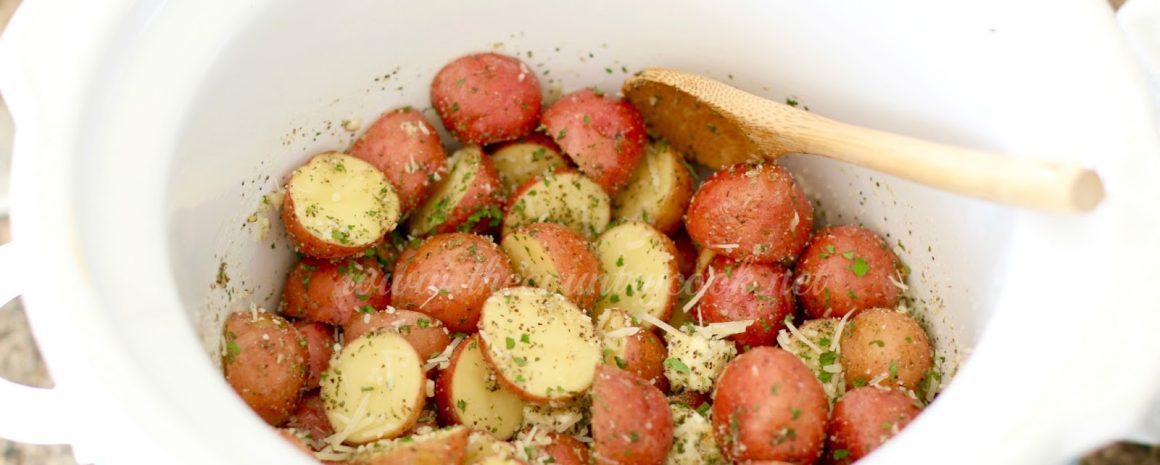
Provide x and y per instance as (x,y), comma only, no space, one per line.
(310,418)
(407,149)
(310,245)
(425,333)
(333,293)
(444,402)
(566,450)
(265,362)
(827,283)
(624,407)
(448,449)
(753,207)
(468,267)
(860,418)
(603,135)
(578,267)
(537,138)
(645,356)
(744,291)
(686,252)
(486,98)
(319,339)
(769,406)
(485,191)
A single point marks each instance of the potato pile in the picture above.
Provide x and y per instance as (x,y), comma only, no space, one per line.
(561,289)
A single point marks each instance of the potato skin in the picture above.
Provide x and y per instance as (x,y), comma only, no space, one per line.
(888,344)
(327,292)
(642,354)
(485,98)
(319,340)
(449,277)
(265,362)
(631,420)
(482,198)
(865,418)
(575,264)
(747,291)
(769,406)
(566,450)
(751,213)
(425,333)
(847,269)
(603,135)
(309,418)
(406,148)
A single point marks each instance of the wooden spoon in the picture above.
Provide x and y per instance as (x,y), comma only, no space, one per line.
(719,125)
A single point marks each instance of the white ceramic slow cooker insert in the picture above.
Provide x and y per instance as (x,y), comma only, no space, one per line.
(148,131)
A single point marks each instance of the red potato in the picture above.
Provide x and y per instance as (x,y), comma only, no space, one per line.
(469,198)
(566,450)
(631,420)
(752,213)
(374,388)
(425,333)
(333,293)
(640,270)
(319,340)
(687,252)
(406,148)
(747,291)
(449,277)
(885,346)
(553,257)
(658,191)
(310,419)
(485,98)
(603,135)
(847,269)
(542,347)
(338,206)
(265,362)
(769,406)
(633,348)
(519,161)
(468,393)
(564,196)
(442,447)
(864,419)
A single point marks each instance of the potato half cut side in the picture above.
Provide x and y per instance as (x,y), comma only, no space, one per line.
(565,197)
(553,257)
(640,270)
(374,389)
(518,162)
(658,191)
(337,205)
(468,393)
(541,346)
(467,199)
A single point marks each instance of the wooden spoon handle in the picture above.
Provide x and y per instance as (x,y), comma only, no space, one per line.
(1026,182)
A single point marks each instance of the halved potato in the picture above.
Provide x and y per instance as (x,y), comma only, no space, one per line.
(337,206)
(467,199)
(541,346)
(658,191)
(551,256)
(425,333)
(482,446)
(468,393)
(441,447)
(564,196)
(374,388)
(517,162)
(632,347)
(640,270)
